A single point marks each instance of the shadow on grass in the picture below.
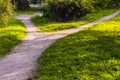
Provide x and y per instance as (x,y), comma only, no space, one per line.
(11,35)
(8,40)
(7,43)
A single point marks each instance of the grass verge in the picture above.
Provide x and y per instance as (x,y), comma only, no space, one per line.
(48,25)
(28,11)
(11,35)
(91,54)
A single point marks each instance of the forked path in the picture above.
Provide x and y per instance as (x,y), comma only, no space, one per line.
(22,60)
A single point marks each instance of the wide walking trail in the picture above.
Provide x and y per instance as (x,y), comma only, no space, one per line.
(22,60)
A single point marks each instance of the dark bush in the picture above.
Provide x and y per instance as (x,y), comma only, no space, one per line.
(106,3)
(114,3)
(65,10)
(21,4)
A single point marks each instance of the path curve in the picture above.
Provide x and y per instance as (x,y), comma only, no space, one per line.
(21,61)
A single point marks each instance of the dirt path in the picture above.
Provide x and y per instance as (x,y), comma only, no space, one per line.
(21,62)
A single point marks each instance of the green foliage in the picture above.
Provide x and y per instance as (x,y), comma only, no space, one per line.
(91,54)
(34,1)
(48,25)
(6,10)
(65,10)
(21,4)
(106,3)
(11,35)
(28,11)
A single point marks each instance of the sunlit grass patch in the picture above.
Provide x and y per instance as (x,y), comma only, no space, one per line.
(49,25)
(91,54)
(11,35)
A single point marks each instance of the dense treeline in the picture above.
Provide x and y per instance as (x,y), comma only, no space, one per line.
(35,1)
(65,10)
(106,3)
(21,4)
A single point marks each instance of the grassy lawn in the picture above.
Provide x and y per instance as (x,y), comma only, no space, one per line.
(11,35)
(29,11)
(91,54)
(48,25)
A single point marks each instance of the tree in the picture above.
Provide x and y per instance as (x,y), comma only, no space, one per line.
(6,10)
(21,4)
(34,1)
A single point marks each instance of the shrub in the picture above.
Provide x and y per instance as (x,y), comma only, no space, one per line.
(65,10)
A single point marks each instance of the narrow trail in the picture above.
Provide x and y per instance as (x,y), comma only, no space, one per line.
(21,62)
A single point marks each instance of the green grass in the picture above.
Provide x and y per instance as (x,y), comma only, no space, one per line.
(28,11)
(11,35)
(48,25)
(91,54)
